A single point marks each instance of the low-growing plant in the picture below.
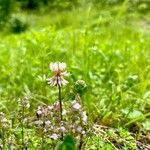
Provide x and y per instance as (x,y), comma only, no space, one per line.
(62,125)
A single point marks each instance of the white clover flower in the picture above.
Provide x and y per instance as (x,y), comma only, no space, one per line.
(76,105)
(58,68)
(57,81)
(54,136)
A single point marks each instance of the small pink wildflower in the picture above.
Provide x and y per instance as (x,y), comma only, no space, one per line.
(76,105)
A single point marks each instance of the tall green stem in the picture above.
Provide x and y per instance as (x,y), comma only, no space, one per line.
(60,104)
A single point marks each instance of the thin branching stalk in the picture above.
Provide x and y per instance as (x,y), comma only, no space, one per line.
(81,141)
(4,143)
(22,128)
(43,141)
(60,103)
(81,136)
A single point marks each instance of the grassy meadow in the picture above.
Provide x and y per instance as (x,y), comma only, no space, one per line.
(106,46)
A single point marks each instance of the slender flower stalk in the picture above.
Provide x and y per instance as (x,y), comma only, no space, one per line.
(59,71)
(60,104)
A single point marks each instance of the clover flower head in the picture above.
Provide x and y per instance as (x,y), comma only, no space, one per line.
(57,67)
(59,71)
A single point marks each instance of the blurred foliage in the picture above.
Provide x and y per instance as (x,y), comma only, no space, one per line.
(9,7)
(5,10)
(33,4)
(17,25)
(29,4)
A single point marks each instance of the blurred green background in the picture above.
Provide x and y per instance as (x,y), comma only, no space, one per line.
(104,42)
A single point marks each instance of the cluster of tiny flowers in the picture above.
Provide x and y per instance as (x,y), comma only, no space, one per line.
(48,120)
(74,119)
(24,102)
(81,121)
(42,111)
(59,71)
(4,123)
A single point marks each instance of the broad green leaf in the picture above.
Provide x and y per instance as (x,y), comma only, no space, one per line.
(68,144)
